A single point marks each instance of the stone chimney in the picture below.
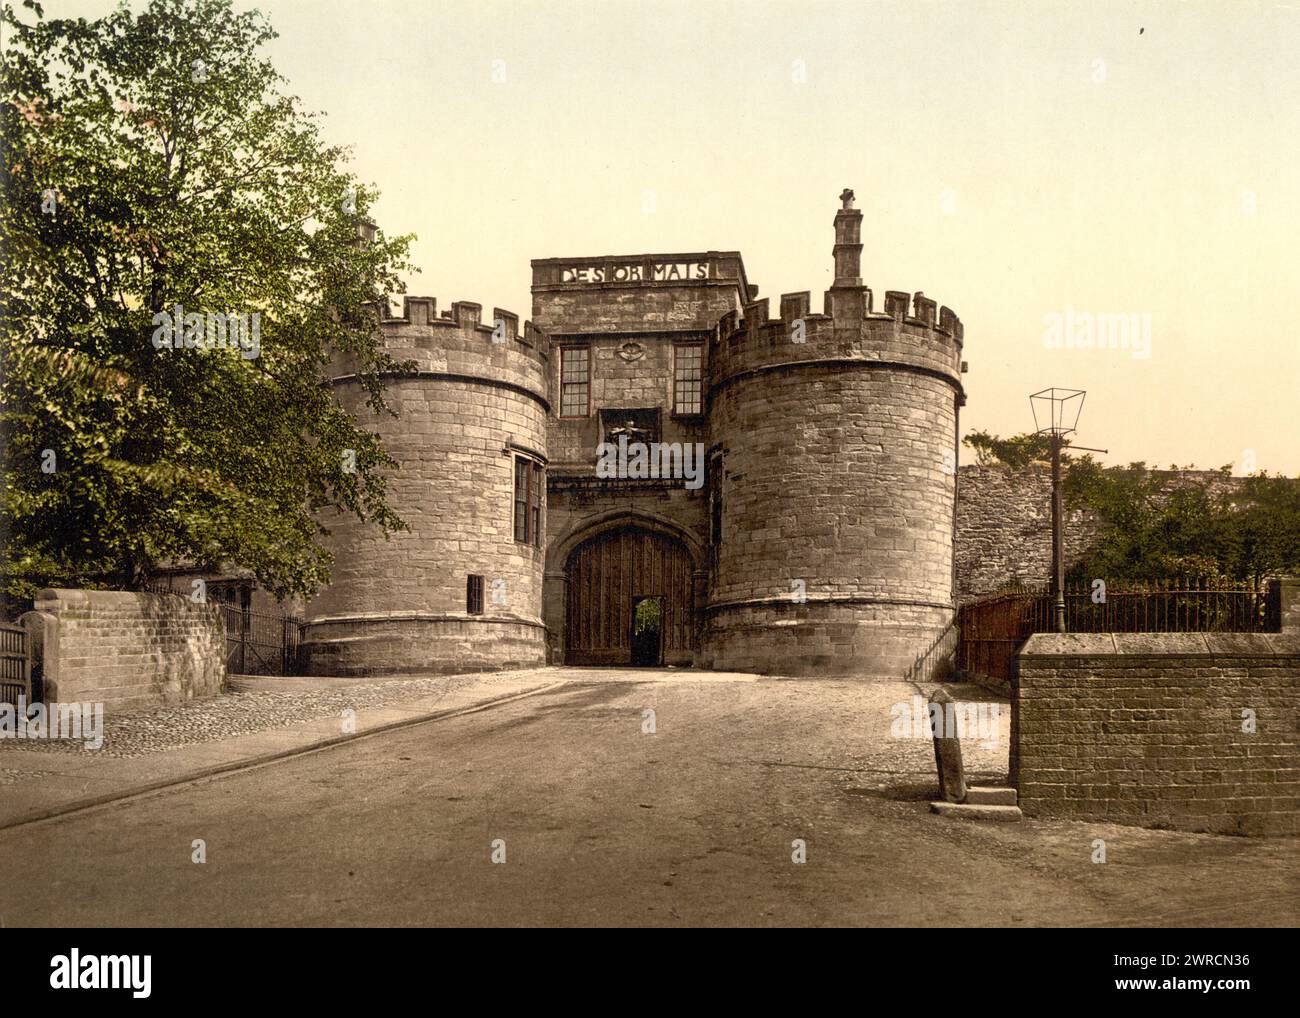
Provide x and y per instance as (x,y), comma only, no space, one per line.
(848,243)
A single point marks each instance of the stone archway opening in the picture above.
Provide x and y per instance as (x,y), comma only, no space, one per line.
(607,577)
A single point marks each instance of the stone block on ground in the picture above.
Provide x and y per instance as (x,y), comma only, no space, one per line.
(968,811)
(988,796)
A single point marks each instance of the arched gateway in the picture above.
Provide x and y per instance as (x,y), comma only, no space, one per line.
(629,599)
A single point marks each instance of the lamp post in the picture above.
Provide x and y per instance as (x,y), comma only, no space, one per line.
(1056,413)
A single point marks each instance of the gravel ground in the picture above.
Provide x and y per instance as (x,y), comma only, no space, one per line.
(11,775)
(140,733)
(692,824)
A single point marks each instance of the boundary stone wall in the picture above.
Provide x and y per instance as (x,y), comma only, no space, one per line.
(1004,523)
(1148,729)
(127,650)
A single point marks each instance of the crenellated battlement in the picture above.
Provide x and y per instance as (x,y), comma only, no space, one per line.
(460,341)
(911,330)
(842,305)
(502,327)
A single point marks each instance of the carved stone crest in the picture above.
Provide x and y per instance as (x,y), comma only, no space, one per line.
(631,351)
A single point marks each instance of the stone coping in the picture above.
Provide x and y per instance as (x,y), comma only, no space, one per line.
(419,616)
(1217,645)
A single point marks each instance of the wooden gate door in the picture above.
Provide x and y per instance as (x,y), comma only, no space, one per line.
(605,575)
(15,664)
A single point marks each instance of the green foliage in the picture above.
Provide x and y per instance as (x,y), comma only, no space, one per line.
(1016,452)
(1161,526)
(179,173)
(647,616)
(1262,532)
(1158,526)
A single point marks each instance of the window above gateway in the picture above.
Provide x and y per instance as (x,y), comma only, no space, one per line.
(688,379)
(575,381)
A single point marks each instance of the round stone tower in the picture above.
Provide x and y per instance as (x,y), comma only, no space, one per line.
(461,590)
(833,479)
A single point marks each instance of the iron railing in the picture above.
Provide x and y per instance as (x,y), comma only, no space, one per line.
(994,629)
(1172,606)
(936,662)
(257,642)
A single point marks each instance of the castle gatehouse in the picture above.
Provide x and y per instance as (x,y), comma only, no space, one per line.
(820,540)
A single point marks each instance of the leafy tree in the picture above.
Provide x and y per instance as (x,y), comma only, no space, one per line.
(1016,452)
(153,161)
(1157,526)
(1261,527)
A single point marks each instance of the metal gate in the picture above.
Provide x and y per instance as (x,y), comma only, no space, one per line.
(261,643)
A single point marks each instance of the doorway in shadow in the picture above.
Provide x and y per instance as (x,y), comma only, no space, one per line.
(647,631)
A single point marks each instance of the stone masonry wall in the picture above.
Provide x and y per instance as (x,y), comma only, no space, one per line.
(1004,528)
(837,485)
(1004,520)
(566,302)
(455,491)
(834,476)
(128,650)
(619,383)
(399,605)
(1147,729)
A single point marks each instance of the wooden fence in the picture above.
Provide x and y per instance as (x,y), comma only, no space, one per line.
(15,664)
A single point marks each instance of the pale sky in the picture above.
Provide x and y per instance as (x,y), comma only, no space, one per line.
(1013,160)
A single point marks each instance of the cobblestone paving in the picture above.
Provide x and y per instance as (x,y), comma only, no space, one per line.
(140,733)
